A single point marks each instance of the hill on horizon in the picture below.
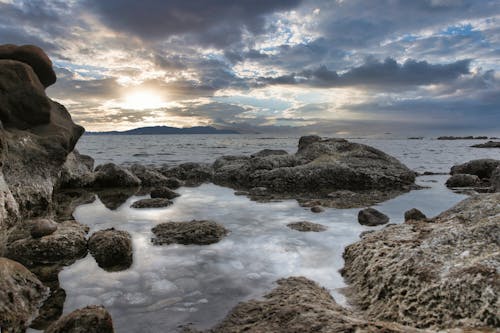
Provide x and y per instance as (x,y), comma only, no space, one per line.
(165,130)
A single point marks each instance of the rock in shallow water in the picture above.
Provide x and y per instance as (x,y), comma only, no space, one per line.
(317,209)
(463,180)
(112,249)
(414,215)
(164,192)
(152,203)
(112,175)
(91,319)
(306,226)
(483,168)
(372,217)
(192,232)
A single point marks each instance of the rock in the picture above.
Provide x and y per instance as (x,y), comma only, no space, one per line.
(66,201)
(414,215)
(241,193)
(194,232)
(463,180)
(191,173)
(258,191)
(164,192)
(173,183)
(152,203)
(269,152)
(42,227)
(33,56)
(21,294)
(112,249)
(149,177)
(431,275)
(299,305)
(113,198)
(51,310)
(112,175)
(91,319)
(317,209)
(77,171)
(483,168)
(495,180)
(489,144)
(319,167)
(306,226)
(372,217)
(65,245)
(470,137)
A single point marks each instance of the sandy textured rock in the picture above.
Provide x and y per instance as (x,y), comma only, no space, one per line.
(306,226)
(112,175)
(152,203)
(112,249)
(299,305)
(440,275)
(21,294)
(372,217)
(192,232)
(91,319)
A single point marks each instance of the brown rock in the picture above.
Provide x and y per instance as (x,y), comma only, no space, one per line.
(112,249)
(42,227)
(372,217)
(91,319)
(415,215)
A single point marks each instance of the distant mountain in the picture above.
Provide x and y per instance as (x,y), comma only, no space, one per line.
(162,130)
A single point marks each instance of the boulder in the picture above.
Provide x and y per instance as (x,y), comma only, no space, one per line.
(21,294)
(191,173)
(431,275)
(414,215)
(372,217)
(463,180)
(317,209)
(77,171)
(91,319)
(112,175)
(42,227)
(173,183)
(152,203)
(164,192)
(33,56)
(482,168)
(149,177)
(489,144)
(112,249)
(194,232)
(306,226)
(65,245)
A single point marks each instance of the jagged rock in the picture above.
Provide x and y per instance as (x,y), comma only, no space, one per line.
(300,305)
(414,215)
(21,294)
(482,168)
(191,173)
(149,177)
(91,319)
(42,227)
(112,249)
(33,56)
(489,144)
(77,171)
(164,192)
(112,175)
(439,275)
(193,232)
(463,180)
(152,203)
(372,217)
(65,245)
(306,226)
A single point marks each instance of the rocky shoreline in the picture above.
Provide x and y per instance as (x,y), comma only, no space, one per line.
(425,275)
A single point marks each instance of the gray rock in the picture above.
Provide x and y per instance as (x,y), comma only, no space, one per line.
(317,209)
(372,217)
(489,144)
(112,175)
(91,319)
(42,227)
(483,168)
(164,192)
(113,198)
(414,215)
(192,232)
(306,226)
(77,171)
(173,183)
(21,294)
(463,180)
(149,176)
(191,173)
(152,203)
(112,249)
(495,180)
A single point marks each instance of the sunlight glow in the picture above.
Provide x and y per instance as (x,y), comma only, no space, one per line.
(143,100)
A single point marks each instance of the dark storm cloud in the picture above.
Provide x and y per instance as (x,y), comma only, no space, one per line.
(218,22)
(380,74)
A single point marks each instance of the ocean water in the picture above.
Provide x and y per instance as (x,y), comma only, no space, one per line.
(174,285)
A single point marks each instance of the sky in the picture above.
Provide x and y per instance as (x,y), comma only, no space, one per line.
(341,67)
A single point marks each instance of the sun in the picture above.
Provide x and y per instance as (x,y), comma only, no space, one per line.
(143,100)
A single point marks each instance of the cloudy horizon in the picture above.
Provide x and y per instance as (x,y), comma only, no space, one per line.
(341,67)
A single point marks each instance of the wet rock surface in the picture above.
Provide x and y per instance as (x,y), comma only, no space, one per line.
(442,274)
(152,203)
(112,249)
(193,232)
(164,192)
(21,294)
(91,319)
(306,226)
(372,217)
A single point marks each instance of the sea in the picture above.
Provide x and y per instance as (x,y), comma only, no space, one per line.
(174,285)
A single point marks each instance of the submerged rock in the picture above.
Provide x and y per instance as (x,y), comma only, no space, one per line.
(21,294)
(414,215)
(306,226)
(112,249)
(152,203)
(42,227)
(431,275)
(112,175)
(164,192)
(372,217)
(299,305)
(489,144)
(463,180)
(192,232)
(91,319)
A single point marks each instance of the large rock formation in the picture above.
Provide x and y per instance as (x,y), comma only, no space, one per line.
(441,274)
